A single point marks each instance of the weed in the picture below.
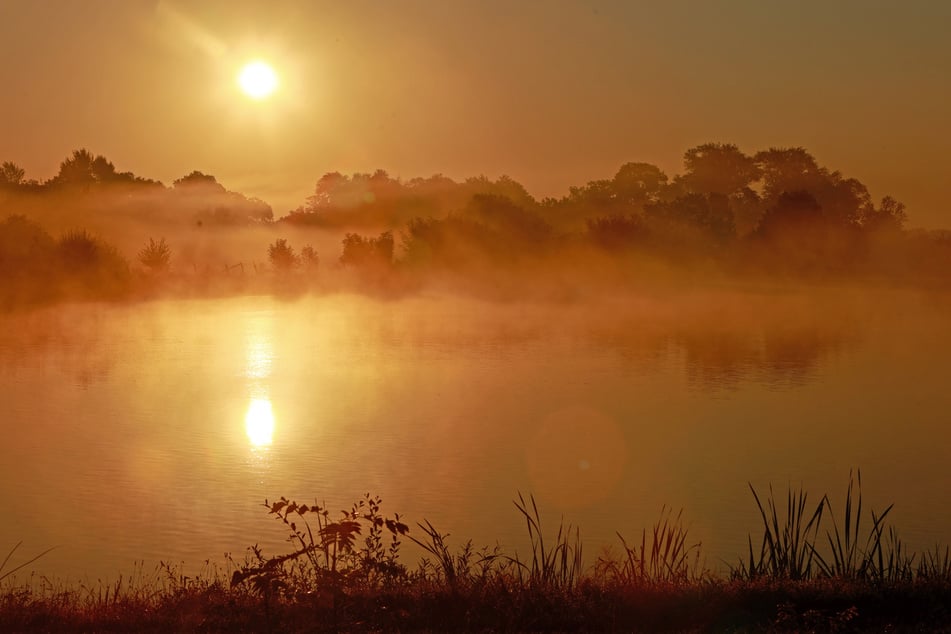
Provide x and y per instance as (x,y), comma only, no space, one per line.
(3,564)
(850,557)
(326,551)
(554,567)
(788,548)
(344,574)
(462,569)
(664,559)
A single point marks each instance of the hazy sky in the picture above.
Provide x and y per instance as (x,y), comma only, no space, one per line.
(551,93)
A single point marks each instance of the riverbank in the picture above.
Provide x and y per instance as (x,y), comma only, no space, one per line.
(717,605)
(814,568)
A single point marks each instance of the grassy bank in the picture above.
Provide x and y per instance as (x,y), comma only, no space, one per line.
(813,568)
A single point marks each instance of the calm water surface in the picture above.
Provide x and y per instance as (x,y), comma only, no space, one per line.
(155,432)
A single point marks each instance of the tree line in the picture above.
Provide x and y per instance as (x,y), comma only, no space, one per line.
(722,192)
(775,211)
(90,182)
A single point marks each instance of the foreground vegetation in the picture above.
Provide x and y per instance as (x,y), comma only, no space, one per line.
(814,568)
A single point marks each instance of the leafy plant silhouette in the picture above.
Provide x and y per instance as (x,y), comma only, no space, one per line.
(328,552)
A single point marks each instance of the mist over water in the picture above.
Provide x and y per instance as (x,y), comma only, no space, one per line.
(170,357)
(156,430)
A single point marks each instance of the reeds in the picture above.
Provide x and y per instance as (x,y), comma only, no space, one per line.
(556,566)
(3,564)
(809,573)
(935,564)
(791,547)
(666,558)
(463,568)
(787,548)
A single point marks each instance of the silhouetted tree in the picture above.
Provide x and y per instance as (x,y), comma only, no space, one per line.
(618,232)
(787,170)
(84,170)
(282,255)
(378,200)
(341,200)
(28,262)
(362,252)
(103,171)
(520,228)
(77,170)
(599,194)
(23,245)
(454,242)
(503,187)
(747,209)
(211,203)
(802,237)
(890,217)
(79,250)
(795,214)
(422,241)
(90,266)
(198,180)
(707,216)
(638,183)
(11,174)
(383,247)
(326,191)
(718,168)
(845,200)
(309,258)
(633,186)
(335,190)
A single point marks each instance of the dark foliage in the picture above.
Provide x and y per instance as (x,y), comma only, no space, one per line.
(367,253)
(777,212)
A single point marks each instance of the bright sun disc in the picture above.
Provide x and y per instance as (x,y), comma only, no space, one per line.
(258,80)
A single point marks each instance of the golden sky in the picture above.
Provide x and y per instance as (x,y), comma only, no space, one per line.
(552,93)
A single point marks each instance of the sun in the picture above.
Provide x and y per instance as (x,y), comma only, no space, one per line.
(257,80)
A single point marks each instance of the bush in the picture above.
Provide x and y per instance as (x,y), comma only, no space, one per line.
(282,255)
(155,256)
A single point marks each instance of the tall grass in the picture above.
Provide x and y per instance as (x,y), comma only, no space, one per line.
(665,558)
(853,556)
(6,560)
(556,566)
(787,548)
(460,569)
(792,549)
(813,570)
(935,564)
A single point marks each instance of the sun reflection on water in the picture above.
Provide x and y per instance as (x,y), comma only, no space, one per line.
(259,356)
(259,422)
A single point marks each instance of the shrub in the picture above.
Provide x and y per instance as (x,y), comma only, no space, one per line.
(155,256)
(282,255)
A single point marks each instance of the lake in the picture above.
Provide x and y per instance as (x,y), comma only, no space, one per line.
(155,431)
